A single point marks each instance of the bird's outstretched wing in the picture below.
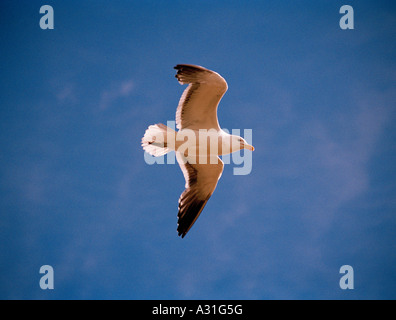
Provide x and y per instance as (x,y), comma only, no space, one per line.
(201,181)
(197,107)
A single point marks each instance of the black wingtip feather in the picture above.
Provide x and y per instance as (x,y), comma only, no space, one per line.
(188,215)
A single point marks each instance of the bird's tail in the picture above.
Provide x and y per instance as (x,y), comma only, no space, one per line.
(156,139)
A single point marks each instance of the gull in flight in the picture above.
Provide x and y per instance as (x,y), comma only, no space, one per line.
(196,120)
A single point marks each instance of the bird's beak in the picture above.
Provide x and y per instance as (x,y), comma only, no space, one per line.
(249,147)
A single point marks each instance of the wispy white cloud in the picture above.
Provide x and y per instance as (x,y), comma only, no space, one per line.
(66,94)
(109,96)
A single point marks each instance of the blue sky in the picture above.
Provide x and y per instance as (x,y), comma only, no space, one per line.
(76,193)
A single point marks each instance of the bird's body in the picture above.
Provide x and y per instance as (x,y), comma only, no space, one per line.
(199,141)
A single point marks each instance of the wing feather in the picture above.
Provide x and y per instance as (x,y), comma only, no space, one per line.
(201,181)
(197,108)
